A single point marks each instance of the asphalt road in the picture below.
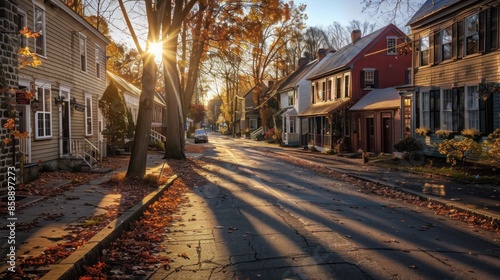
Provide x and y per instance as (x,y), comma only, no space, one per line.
(262,218)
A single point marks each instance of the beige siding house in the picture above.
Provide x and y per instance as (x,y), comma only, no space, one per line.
(63,120)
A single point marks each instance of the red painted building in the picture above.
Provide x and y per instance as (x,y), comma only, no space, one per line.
(342,78)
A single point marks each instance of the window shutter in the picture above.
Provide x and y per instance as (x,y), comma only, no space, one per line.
(460,39)
(486,114)
(437,47)
(417,109)
(431,49)
(454,40)
(375,78)
(417,52)
(482,31)
(458,109)
(435,109)
(362,79)
(493,27)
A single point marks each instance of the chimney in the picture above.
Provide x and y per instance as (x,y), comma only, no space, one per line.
(303,61)
(355,35)
(321,54)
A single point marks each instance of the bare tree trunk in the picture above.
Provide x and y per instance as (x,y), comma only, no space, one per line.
(138,158)
(174,148)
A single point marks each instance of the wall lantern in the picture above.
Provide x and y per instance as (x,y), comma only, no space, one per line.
(77,106)
(58,100)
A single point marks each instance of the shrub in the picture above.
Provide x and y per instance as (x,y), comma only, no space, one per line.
(471,132)
(493,146)
(458,151)
(422,131)
(444,133)
(409,144)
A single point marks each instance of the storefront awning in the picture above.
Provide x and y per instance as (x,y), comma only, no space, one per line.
(324,108)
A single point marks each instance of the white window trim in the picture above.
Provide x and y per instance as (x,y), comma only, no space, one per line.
(98,59)
(371,70)
(347,78)
(44,29)
(423,110)
(467,110)
(80,36)
(88,96)
(45,86)
(395,38)
(25,23)
(446,108)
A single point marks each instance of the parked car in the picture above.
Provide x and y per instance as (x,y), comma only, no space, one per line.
(200,135)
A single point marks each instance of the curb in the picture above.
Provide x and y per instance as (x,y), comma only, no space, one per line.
(72,266)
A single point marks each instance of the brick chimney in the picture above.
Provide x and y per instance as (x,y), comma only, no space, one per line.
(303,61)
(355,35)
(322,53)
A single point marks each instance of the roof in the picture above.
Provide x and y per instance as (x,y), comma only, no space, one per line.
(430,7)
(290,112)
(343,57)
(128,87)
(294,79)
(378,99)
(324,108)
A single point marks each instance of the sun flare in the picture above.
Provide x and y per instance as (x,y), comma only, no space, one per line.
(156,50)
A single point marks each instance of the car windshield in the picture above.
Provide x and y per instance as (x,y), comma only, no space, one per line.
(199,132)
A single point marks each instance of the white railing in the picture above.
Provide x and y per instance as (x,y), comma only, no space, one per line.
(87,151)
(256,132)
(23,149)
(157,136)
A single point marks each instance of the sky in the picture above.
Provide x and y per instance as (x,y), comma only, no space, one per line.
(325,12)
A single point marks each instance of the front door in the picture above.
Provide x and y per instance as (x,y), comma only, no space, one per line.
(65,115)
(370,135)
(387,135)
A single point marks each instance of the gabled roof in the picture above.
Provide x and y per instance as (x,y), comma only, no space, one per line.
(345,56)
(128,87)
(378,99)
(293,80)
(430,7)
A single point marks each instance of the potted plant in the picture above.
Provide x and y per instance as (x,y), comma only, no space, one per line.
(471,133)
(444,133)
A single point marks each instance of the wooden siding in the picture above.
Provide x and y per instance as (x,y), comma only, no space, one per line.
(61,67)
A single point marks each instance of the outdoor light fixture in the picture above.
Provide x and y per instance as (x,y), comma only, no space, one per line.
(58,100)
(77,106)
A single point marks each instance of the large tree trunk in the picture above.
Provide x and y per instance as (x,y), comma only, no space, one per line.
(138,158)
(174,148)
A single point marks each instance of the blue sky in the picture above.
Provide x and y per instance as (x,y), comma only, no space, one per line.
(325,12)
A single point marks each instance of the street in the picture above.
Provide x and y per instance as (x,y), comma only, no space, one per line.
(262,218)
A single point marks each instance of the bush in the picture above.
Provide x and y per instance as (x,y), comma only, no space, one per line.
(493,146)
(409,144)
(458,151)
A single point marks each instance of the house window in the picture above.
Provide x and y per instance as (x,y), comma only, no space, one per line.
(39,27)
(426,119)
(22,21)
(88,115)
(83,53)
(424,51)
(346,85)
(292,125)
(369,78)
(472,103)
(43,115)
(338,87)
(391,45)
(98,62)
(291,98)
(253,124)
(472,34)
(446,39)
(447,110)
(323,92)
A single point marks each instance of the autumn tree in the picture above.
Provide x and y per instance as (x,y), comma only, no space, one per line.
(154,14)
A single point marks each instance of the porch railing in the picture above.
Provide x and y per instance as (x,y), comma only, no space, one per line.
(256,132)
(156,136)
(90,152)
